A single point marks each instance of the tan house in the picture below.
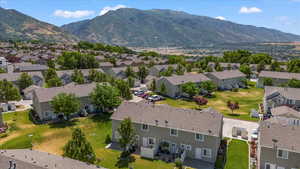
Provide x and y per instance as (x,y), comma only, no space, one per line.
(228,79)
(278,78)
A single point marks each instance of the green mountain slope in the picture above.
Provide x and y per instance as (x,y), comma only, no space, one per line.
(151,28)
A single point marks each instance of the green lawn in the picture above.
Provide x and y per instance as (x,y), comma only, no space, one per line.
(52,138)
(237,155)
(247,98)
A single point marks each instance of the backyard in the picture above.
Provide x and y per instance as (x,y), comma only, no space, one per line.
(247,98)
(237,154)
(52,137)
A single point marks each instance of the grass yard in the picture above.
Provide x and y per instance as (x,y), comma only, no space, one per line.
(52,137)
(248,99)
(237,153)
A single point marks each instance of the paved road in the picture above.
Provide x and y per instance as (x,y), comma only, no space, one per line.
(230,123)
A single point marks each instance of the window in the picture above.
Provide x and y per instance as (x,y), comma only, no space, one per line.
(280,167)
(188,147)
(151,141)
(206,152)
(267,166)
(282,154)
(145,127)
(199,137)
(173,132)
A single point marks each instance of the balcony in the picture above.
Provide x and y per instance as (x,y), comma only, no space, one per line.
(149,151)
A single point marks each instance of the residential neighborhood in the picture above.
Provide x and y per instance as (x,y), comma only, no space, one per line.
(149,84)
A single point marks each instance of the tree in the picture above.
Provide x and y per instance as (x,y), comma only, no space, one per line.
(124,89)
(218,67)
(294,83)
(54,82)
(294,66)
(190,88)
(275,66)
(8,92)
(180,69)
(163,89)
(51,64)
(105,97)
(189,67)
(131,82)
(77,77)
(50,74)
(24,81)
(233,106)
(142,73)
(79,148)
(153,85)
(92,75)
(261,66)
(2,70)
(127,134)
(77,60)
(66,104)
(129,72)
(246,70)
(208,86)
(268,81)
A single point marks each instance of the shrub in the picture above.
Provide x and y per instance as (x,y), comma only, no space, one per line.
(107,139)
(178,163)
(200,100)
(235,90)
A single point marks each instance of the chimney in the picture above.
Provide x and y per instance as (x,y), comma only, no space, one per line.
(166,122)
(156,122)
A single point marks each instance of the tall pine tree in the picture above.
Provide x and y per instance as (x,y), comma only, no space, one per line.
(79,148)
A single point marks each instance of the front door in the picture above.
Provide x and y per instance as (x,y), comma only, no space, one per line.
(145,141)
(173,148)
(198,153)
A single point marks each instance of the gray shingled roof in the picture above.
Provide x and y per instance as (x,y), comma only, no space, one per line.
(289,93)
(15,76)
(285,111)
(85,72)
(288,136)
(279,75)
(33,67)
(208,121)
(31,159)
(228,74)
(182,79)
(46,94)
(161,67)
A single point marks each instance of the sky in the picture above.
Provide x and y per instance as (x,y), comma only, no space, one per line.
(283,15)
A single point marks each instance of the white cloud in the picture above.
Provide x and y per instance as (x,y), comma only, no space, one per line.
(221,18)
(111,8)
(73,14)
(248,10)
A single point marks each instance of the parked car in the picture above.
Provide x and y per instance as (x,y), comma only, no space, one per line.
(138,93)
(254,134)
(155,98)
(145,95)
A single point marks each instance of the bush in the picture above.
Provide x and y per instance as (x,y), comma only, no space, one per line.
(178,163)
(200,100)
(107,139)
(235,90)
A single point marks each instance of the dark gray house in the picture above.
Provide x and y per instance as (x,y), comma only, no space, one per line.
(186,133)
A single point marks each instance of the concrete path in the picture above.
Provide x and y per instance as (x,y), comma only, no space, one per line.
(230,123)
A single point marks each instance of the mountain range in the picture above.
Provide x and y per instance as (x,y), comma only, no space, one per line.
(140,28)
(18,26)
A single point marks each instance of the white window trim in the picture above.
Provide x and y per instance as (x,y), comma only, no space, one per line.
(172,134)
(201,140)
(143,128)
(286,158)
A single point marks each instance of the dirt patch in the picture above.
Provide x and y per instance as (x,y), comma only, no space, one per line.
(9,137)
(53,146)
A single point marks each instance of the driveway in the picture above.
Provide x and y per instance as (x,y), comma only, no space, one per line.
(136,99)
(25,103)
(230,123)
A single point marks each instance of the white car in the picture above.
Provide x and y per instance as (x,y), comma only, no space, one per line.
(254,134)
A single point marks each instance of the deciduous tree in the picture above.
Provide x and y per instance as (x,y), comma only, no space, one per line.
(66,104)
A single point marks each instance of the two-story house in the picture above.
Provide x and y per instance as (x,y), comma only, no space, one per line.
(187,133)
(37,77)
(173,83)
(279,96)
(157,69)
(3,63)
(228,79)
(278,145)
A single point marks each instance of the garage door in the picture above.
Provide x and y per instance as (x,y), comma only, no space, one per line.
(198,154)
